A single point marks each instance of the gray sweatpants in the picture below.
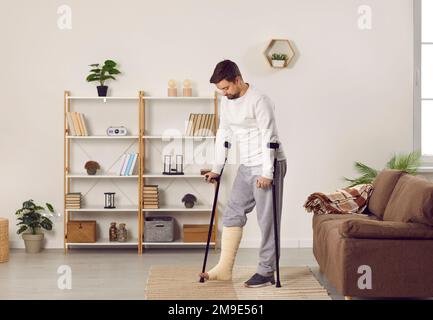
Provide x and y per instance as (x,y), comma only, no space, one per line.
(244,197)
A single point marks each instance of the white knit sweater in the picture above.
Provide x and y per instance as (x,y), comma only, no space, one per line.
(250,121)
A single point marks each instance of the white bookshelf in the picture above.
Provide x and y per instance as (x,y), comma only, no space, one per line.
(177,244)
(102,98)
(178,137)
(102,137)
(104,243)
(180,209)
(210,98)
(102,209)
(75,181)
(96,176)
(166,176)
(140,178)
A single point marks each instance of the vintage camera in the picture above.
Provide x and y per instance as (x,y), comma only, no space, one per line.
(117,131)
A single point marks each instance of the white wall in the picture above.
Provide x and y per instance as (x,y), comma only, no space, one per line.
(347,98)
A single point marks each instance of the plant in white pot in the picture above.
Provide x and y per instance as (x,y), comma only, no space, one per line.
(31,219)
(278,59)
(102,74)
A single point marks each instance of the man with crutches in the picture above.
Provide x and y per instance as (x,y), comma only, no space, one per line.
(248,115)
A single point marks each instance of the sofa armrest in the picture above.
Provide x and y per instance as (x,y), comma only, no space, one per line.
(371,229)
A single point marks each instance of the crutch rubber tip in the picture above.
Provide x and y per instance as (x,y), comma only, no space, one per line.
(201,279)
(278,285)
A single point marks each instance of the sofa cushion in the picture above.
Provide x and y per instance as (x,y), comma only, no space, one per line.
(383,185)
(371,229)
(411,201)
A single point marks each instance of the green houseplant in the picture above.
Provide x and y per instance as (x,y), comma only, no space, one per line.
(101,74)
(30,221)
(278,59)
(405,162)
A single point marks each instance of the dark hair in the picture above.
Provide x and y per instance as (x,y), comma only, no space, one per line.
(225,70)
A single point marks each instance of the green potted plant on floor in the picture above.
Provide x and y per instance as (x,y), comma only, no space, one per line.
(31,219)
(101,74)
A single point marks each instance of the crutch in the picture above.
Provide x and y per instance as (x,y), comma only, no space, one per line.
(275,146)
(215,200)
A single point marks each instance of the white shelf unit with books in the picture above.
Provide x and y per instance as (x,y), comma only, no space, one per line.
(156,121)
(143,136)
(87,140)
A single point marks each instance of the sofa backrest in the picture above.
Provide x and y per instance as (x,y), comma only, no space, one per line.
(383,186)
(411,201)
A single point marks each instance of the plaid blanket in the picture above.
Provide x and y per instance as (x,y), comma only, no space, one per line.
(343,201)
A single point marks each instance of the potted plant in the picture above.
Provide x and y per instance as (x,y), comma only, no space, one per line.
(189,200)
(408,163)
(91,167)
(31,221)
(278,59)
(101,74)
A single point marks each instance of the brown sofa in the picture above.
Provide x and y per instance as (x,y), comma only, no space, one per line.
(394,239)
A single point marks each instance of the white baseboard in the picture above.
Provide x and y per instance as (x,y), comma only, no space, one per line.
(285,243)
(246,243)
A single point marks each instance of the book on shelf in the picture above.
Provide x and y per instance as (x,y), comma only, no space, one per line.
(73,200)
(76,124)
(200,124)
(150,187)
(150,197)
(128,163)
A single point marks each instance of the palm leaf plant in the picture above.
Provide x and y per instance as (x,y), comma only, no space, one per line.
(405,162)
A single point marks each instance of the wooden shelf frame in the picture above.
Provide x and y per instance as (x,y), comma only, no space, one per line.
(141,175)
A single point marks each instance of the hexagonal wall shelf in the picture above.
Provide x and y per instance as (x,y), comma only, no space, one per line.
(281,46)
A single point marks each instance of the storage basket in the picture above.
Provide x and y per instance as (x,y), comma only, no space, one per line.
(159,229)
(4,240)
(81,231)
(197,233)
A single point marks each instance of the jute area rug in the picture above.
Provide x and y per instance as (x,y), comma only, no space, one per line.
(182,283)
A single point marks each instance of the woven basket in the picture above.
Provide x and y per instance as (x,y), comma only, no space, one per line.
(4,240)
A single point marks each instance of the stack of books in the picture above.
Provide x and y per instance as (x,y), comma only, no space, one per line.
(73,200)
(201,124)
(127,164)
(76,124)
(150,197)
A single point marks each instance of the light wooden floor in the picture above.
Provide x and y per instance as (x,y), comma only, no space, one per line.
(114,273)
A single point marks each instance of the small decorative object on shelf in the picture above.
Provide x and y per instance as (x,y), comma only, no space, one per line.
(92,167)
(102,74)
(189,200)
(172,90)
(113,232)
(187,90)
(279,53)
(167,164)
(168,170)
(109,200)
(279,59)
(122,233)
(117,131)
